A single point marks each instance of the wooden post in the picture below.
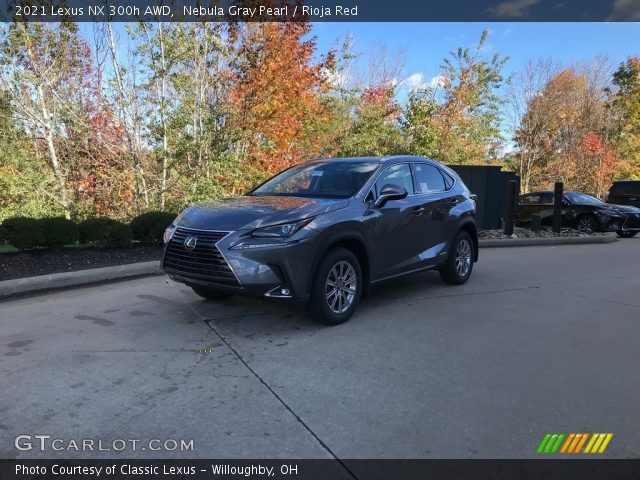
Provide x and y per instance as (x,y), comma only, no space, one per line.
(511,203)
(557,207)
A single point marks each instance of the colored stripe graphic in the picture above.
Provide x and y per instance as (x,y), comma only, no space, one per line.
(543,443)
(573,443)
(598,442)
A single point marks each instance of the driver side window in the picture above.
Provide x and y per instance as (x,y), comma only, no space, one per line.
(396,175)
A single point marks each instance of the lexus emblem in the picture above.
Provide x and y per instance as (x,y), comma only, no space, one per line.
(190,243)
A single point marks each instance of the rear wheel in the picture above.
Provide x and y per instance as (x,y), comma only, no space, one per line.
(337,287)
(210,294)
(626,234)
(459,265)
(588,224)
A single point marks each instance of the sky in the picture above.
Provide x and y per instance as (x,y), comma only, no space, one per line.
(425,45)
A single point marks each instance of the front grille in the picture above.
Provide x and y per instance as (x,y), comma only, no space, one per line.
(202,262)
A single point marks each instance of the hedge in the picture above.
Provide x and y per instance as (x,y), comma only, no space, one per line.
(23,233)
(58,231)
(105,232)
(149,227)
(27,233)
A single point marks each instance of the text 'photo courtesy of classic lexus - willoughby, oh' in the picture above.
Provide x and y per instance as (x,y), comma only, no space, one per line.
(322,232)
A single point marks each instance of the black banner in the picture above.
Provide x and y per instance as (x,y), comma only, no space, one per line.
(321,469)
(321,10)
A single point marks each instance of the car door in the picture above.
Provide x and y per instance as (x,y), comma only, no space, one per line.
(395,225)
(434,201)
(528,205)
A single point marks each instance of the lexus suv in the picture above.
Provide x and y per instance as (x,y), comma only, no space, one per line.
(581,211)
(323,231)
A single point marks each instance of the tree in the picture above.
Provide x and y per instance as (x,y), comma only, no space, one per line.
(42,66)
(530,114)
(275,93)
(374,130)
(626,101)
(461,124)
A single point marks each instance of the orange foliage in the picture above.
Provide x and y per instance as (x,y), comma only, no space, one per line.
(275,94)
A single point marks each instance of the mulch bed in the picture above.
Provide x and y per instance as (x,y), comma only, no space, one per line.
(44,262)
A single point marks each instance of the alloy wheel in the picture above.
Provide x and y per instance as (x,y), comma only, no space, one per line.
(340,287)
(586,225)
(463,258)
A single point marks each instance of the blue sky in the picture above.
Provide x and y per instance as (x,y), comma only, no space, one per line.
(426,44)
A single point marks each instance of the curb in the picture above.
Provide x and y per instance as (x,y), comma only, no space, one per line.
(532,242)
(53,281)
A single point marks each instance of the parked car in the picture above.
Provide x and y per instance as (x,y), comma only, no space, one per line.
(626,192)
(580,211)
(322,232)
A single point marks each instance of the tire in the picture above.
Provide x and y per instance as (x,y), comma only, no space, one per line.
(211,294)
(459,265)
(339,268)
(626,234)
(587,224)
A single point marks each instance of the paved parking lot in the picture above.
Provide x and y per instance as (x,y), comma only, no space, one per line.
(541,339)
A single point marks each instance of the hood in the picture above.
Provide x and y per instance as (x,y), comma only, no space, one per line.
(249,212)
(621,208)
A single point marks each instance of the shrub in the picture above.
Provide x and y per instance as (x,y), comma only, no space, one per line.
(3,235)
(23,233)
(58,231)
(149,227)
(104,232)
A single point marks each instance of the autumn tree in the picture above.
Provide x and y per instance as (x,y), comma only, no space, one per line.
(626,102)
(462,124)
(42,66)
(274,92)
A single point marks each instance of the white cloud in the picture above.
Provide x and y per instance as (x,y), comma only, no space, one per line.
(414,81)
(437,81)
(515,8)
(625,11)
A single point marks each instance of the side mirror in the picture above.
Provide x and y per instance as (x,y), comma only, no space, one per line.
(390,192)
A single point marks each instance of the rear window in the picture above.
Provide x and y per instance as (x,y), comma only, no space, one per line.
(625,188)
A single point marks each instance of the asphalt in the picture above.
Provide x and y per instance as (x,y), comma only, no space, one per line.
(541,339)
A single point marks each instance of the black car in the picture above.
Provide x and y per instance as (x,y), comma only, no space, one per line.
(625,192)
(322,232)
(580,211)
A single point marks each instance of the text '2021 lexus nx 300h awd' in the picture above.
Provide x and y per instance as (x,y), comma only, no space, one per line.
(323,231)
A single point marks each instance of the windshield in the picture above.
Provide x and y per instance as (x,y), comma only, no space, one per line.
(331,179)
(582,198)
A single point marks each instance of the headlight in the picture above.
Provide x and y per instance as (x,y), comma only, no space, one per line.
(168,233)
(272,236)
(284,230)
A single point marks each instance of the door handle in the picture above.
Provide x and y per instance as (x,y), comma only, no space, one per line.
(418,211)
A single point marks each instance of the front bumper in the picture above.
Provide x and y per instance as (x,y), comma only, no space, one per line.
(280,271)
(624,222)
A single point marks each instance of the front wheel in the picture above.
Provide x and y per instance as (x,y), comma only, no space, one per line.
(588,224)
(210,294)
(337,287)
(459,265)
(626,233)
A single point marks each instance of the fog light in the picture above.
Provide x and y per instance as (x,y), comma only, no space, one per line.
(284,291)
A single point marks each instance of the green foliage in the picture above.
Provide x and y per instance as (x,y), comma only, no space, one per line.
(627,102)
(149,227)
(23,233)
(57,232)
(420,124)
(104,232)
(3,235)
(463,124)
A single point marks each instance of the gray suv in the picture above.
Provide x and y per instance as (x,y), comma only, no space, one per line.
(323,231)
